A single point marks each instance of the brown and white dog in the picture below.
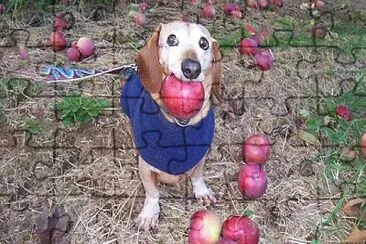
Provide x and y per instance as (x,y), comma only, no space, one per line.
(188,51)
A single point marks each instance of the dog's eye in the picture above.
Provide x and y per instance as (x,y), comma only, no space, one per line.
(203,43)
(172,40)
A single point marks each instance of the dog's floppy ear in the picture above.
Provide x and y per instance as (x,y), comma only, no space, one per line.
(216,73)
(147,61)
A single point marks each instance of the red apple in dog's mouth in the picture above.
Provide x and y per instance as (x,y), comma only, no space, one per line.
(183,99)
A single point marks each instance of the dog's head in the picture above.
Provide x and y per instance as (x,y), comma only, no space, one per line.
(186,50)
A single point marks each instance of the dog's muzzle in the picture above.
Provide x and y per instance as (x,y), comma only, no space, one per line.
(191,68)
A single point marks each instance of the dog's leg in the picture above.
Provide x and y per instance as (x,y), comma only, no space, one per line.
(200,189)
(151,209)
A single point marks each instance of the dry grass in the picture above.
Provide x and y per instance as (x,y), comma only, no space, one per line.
(92,170)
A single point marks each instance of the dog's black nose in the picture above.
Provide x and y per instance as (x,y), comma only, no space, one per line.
(191,68)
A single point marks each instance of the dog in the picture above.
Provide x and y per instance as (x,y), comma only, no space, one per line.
(171,149)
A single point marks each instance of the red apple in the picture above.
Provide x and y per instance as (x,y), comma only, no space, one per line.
(205,227)
(143,6)
(57,41)
(2,8)
(252,4)
(193,2)
(256,149)
(344,112)
(236,14)
(86,47)
(248,47)
(183,99)
(319,5)
(223,240)
(73,54)
(264,60)
(208,11)
(277,3)
(233,9)
(140,19)
(363,145)
(263,4)
(252,180)
(60,23)
(240,229)
(228,8)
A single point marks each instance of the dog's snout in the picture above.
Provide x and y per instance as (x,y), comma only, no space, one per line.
(191,68)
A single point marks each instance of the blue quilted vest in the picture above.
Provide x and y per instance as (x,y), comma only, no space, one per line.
(162,144)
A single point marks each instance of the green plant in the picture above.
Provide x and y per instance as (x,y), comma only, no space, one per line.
(32,127)
(344,165)
(80,109)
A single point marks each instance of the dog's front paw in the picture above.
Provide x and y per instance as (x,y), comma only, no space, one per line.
(149,215)
(203,193)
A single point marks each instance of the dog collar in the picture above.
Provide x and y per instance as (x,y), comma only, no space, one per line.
(182,122)
(179,122)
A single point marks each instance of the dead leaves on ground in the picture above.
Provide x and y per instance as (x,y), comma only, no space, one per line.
(356,208)
(53,225)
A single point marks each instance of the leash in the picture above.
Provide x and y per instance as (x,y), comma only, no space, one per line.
(70,74)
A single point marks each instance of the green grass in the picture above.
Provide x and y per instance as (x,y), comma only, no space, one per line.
(80,109)
(18,87)
(346,35)
(32,127)
(350,172)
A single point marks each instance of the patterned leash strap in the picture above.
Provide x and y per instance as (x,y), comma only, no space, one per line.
(69,74)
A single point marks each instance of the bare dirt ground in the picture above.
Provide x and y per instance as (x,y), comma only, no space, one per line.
(80,182)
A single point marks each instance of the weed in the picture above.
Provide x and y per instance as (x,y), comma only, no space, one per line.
(32,127)
(80,109)
(337,134)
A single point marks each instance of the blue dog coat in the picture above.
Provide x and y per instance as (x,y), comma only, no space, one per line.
(162,144)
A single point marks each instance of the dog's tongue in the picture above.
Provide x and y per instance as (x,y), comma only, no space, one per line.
(183,99)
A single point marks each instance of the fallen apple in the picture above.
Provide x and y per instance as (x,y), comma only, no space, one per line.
(57,41)
(208,11)
(344,112)
(143,6)
(240,229)
(223,240)
(277,3)
(263,4)
(252,4)
(248,46)
(60,23)
(205,227)
(140,19)
(264,60)
(256,149)
(2,8)
(183,99)
(73,54)
(233,9)
(86,47)
(252,180)
(319,5)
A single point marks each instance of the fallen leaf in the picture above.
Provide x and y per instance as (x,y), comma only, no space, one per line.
(309,138)
(348,155)
(52,226)
(356,236)
(353,208)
